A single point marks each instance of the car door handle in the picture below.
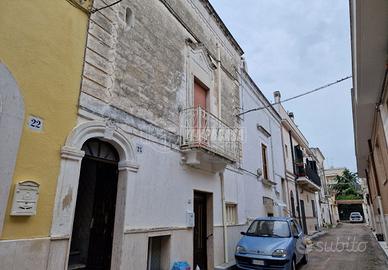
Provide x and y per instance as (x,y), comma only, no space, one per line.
(210,235)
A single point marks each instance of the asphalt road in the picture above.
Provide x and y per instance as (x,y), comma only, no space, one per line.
(351,246)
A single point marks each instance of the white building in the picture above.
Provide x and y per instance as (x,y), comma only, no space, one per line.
(323,195)
(302,175)
(263,161)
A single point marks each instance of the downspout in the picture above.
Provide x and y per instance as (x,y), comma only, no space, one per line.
(371,212)
(285,169)
(224,226)
(328,199)
(296,177)
(379,204)
(325,193)
(219,79)
(272,155)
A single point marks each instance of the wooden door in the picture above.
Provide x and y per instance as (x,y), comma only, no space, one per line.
(101,227)
(200,231)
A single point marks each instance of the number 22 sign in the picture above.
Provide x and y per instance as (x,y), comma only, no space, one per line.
(35,123)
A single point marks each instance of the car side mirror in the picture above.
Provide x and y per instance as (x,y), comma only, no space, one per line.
(243,233)
(296,236)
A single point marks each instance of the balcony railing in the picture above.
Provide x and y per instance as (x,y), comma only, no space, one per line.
(304,170)
(313,176)
(201,129)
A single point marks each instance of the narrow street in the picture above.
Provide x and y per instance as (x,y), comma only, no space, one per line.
(351,246)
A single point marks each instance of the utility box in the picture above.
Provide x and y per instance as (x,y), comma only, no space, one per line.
(190,219)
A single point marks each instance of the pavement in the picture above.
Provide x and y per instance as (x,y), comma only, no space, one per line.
(383,245)
(349,246)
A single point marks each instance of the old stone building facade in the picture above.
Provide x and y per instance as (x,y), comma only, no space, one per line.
(158,76)
(148,159)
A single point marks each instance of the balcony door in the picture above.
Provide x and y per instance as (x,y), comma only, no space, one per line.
(200,105)
(200,95)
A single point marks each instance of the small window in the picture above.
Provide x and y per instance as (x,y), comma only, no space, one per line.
(231,214)
(286,150)
(159,253)
(313,207)
(265,160)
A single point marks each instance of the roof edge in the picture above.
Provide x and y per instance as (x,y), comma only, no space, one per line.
(222,25)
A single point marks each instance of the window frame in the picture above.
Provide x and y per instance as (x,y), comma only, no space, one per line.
(286,150)
(231,208)
(264,158)
(313,208)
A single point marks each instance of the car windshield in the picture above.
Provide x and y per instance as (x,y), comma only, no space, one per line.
(269,228)
(355,214)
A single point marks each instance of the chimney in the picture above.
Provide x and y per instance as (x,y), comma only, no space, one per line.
(277,96)
(244,64)
(291,115)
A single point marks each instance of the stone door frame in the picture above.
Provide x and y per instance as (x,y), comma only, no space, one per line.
(67,187)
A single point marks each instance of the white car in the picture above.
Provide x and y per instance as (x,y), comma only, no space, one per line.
(356,217)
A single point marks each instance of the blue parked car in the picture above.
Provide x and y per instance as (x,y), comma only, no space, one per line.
(271,243)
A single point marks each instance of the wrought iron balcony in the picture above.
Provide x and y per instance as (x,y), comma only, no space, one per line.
(199,129)
(308,177)
(313,176)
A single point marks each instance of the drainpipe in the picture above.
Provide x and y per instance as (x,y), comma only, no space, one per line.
(219,79)
(224,226)
(296,177)
(379,204)
(287,199)
(371,212)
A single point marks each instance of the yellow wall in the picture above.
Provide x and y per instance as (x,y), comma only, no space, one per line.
(42,44)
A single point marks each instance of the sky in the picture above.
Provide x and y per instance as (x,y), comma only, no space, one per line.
(294,46)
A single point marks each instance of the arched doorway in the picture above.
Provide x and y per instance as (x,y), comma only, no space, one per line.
(92,236)
(72,155)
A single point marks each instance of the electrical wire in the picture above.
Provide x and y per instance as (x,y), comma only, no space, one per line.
(297,96)
(98,9)
(77,5)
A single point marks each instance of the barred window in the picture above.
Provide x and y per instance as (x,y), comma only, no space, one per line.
(231,214)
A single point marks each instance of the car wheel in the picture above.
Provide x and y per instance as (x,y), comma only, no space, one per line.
(305,259)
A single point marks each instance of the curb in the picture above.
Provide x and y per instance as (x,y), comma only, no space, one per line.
(381,245)
(317,235)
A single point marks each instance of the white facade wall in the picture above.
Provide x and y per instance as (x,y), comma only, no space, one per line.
(301,193)
(253,137)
